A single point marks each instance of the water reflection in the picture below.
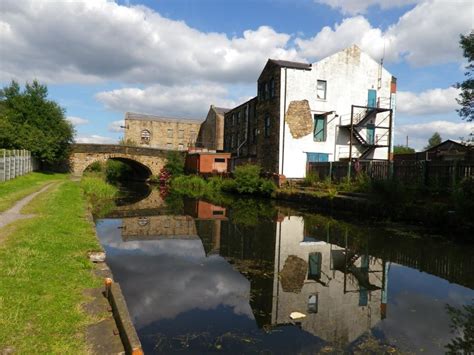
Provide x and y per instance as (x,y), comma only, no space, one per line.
(208,278)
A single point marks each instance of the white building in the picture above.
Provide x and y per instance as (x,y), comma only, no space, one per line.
(306,113)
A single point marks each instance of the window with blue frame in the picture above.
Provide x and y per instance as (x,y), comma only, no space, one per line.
(319,134)
(317,157)
(314,271)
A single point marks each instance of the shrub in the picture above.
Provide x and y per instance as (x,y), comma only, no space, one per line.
(229,185)
(311,179)
(267,187)
(247,178)
(99,194)
(175,163)
(463,197)
(95,167)
(116,170)
(192,185)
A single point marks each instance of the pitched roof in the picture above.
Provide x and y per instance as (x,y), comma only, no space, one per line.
(288,64)
(146,117)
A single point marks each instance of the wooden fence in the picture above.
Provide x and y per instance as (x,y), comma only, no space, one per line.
(15,163)
(436,174)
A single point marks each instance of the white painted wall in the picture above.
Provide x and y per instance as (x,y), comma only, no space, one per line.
(339,319)
(349,75)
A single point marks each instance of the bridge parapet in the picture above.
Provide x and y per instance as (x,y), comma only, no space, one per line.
(83,155)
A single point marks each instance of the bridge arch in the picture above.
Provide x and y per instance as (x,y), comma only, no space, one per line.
(146,161)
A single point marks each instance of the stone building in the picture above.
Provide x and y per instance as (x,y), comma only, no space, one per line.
(161,132)
(339,108)
(211,134)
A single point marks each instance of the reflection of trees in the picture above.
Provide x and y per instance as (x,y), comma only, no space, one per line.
(462,324)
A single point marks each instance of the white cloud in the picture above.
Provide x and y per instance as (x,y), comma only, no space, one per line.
(77,121)
(354,7)
(425,36)
(351,30)
(435,101)
(116,126)
(84,41)
(190,101)
(419,133)
(417,37)
(94,138)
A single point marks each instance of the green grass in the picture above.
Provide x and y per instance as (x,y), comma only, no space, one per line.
(43,272)
(14,190)
(100,194)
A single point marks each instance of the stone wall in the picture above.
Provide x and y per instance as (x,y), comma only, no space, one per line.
(173,134)
(83,155)
(211,133)
(268,147)
(158,227)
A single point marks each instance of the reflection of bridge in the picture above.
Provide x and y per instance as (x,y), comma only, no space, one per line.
(143,161)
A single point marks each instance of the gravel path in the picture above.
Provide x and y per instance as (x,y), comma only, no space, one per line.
(13,214)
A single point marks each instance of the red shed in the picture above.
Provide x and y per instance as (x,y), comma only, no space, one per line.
(206,162)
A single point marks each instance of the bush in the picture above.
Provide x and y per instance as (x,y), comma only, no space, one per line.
(95,167)
(193,185)
(116,170)
(267,187)
(99,194)
(463,197)
(311,179)
(175,163)
(247,178)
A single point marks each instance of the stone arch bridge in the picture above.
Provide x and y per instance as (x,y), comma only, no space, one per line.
(143,161)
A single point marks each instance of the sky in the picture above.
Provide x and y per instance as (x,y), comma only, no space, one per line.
(174,58)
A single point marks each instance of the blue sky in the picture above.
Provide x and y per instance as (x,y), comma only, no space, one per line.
(102,58)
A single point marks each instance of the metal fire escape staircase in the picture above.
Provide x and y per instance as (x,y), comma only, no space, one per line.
(358,121)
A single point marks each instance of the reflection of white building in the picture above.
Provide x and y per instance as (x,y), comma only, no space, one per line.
(341,294)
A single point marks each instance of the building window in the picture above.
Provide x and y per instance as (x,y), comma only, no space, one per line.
(313,304)
(181,133)
(272,88)
(267,126)
(317,157)
(319,134)
(267,91)
(170,133)
(254,136)
(233,119)
(314,270)
(219,160)
(192,136)
(238,118)
(321,89)
(232,141)
(169,145)
(180,146)
(238,139)
(145,136)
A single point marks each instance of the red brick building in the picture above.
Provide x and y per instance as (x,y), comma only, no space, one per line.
(206,162)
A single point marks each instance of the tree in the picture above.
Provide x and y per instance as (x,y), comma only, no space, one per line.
(466,97)
(402,149)
(28,120)
(434,140)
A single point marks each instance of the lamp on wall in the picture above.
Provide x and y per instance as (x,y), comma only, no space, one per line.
(125,127)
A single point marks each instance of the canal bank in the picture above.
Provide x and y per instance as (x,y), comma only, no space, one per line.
(51,294)
(202,277)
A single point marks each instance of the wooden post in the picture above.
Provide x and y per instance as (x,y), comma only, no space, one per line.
(352,132)
(390,135)
(330,171)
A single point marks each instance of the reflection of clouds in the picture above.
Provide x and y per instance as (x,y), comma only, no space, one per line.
(111,239)
(416,315)
(162,279)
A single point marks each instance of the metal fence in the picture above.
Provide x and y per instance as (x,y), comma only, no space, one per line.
(436,174)
(15,163)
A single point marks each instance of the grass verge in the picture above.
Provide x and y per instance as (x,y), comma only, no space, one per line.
(14,190)
(43,272)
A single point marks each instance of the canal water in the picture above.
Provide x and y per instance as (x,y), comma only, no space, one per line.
(255,277)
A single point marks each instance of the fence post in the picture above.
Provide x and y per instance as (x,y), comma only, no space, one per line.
(454,172)
(4,165)
(330,171)
(426,173)
(390,169)
(349,164)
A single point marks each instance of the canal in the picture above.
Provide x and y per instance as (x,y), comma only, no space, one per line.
(256,277)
